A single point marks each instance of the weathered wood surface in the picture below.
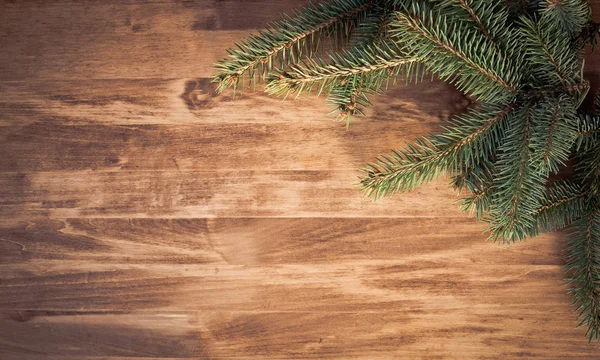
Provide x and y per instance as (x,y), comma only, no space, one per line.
(143,216)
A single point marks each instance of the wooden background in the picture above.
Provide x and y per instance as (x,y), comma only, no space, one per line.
(143,216)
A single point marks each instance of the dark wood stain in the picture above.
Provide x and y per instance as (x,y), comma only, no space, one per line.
(142,215)
(199,94)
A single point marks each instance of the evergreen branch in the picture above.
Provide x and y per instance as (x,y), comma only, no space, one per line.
(556,204)
(596,109)
(351,95)
(519,187)
(551,58)
(549,54)
(479,183)
(451,49)
(550,140)
(457,53)
(373,28)
(375,60)
(588,132)
(563,203)
(554,124)
(574,89)
(316,72)
(486,15)
(568,16)
(491,18)
(470,139)
(583,260)
(478,202)
(589,34)
(302,33)
(587,165)
(474,178)
(521,169)
(476,18)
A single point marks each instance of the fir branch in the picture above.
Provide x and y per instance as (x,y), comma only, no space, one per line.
(551,57)
(562,204)
(351,95)
(316,72)
(568,16)
(374,60)
(554,125)
(575,89)
(303,33)
(476,18)
(451,49)
(470,138)
(588,132)
(488,16)
(544,209)
(491,18)
(583,260)
(596,109)
(519,187)
(587,165)
(478,202)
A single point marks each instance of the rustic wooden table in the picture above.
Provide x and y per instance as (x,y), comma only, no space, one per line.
(142,215)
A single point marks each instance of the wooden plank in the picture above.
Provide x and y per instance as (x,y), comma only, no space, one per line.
(170,55)
(79,335)
(41,143)
(377,309)
(46,146)
(480,333)
(152,40)
(193,194)
(262,241)
(170,39)
(427,282)
(91,16)
(194,101)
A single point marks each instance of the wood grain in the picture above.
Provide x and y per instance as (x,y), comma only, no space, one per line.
(382,309)
(82,40)
(144,216)
(373,286)
(64,132)
(299,335)
(222,193)
(260,241)
(194,101)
